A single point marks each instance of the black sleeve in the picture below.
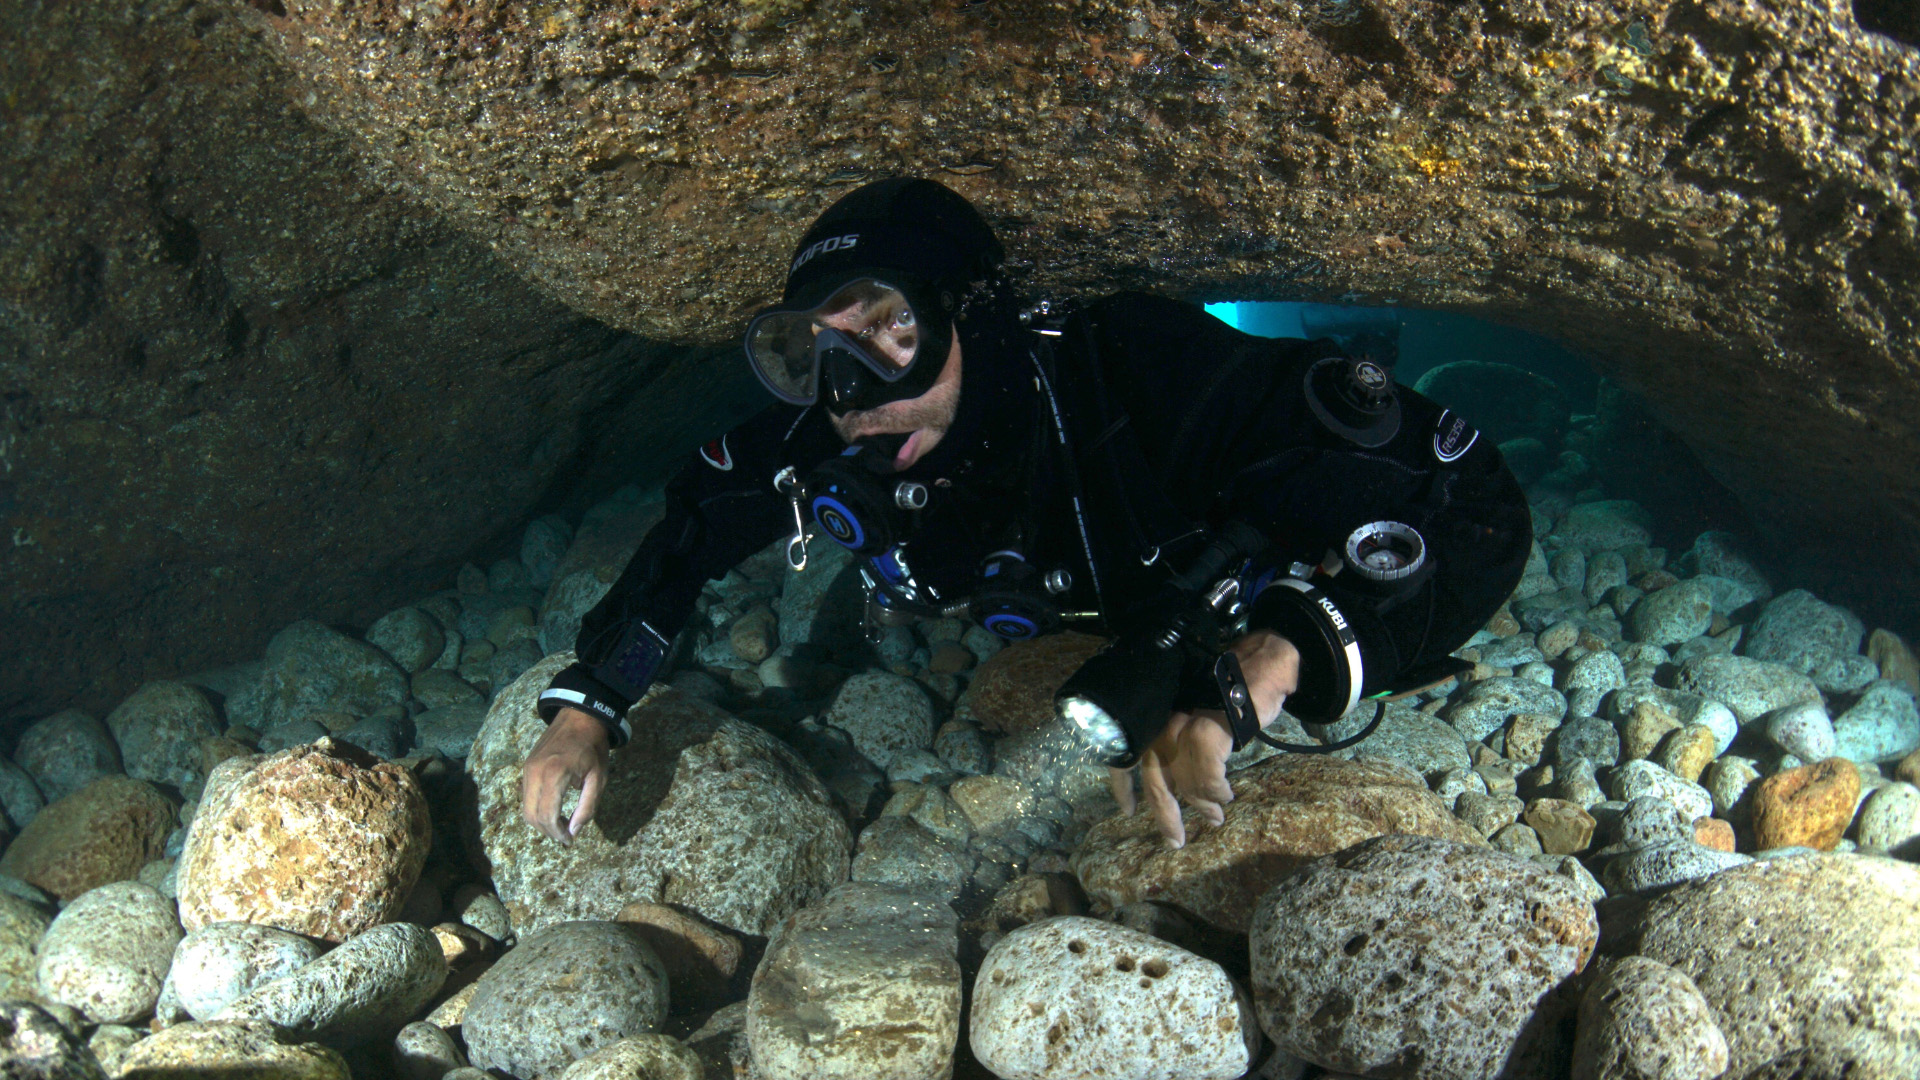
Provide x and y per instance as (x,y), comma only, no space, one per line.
(1439,476)
(1226,427)
(721,508)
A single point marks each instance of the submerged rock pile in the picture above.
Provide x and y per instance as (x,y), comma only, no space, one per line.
(1628,842)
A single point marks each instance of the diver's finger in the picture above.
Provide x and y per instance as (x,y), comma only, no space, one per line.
(1121,780)
(590,786)
(1209,810)
(542,806)
(1166,809)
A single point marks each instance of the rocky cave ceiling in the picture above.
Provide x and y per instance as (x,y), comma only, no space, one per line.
(1716,199)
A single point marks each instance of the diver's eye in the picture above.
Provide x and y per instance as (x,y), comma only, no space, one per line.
(904,319)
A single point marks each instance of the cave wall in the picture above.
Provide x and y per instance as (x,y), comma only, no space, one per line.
(240,384)
(1715,197)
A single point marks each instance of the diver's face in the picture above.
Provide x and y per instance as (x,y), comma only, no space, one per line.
(924,419)
(878,317)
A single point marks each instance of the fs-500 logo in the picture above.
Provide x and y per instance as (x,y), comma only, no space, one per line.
(821,247)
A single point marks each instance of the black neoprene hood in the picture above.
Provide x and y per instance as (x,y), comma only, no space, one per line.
(910,226)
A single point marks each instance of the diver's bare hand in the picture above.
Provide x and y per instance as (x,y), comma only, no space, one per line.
(572,753)
(1188,762)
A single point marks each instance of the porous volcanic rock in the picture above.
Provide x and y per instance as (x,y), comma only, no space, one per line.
(36,1047)
(1420,957)
(652,168)
(1641,1020)
(1013,690)
(243,382)
(106,953)
(615,986)
(1286,812)
(1074,996)
(222,962)
(229,1048)
(1742,936)
(700,811)
(862,985)
(369,986)
(102,833)
(321,840)
(21,925)
(642,1057)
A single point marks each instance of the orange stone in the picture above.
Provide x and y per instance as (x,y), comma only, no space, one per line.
(1810,806)
(1712,832)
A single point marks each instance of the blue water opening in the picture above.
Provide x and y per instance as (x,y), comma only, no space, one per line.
(1413,342)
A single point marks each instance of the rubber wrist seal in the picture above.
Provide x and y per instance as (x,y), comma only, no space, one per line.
(576,688)
(1332,673)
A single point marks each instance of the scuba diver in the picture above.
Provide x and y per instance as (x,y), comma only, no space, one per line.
(1255,522)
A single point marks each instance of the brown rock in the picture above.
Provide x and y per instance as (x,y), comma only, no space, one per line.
(103,833)
(217,749)
(1809,806)
(1909,768)
(700,959)
(1642,731)
(1286,812)
(754,635)
(322,840)
(1896,661)
(1030,898)
(991,803)
(1503,624)
(462,944)
(1688,752)
(1013,691)
(1527,735)
(1654,581)
(1713,832)
(950,659)
(1565,828)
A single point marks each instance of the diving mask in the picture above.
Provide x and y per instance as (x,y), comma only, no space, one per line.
(866,344)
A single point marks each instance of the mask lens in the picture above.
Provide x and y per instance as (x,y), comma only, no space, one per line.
(780,345)
(874,317)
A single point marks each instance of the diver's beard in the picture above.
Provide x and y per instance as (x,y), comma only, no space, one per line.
(932,412)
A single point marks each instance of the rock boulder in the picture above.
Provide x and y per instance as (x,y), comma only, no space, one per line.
(104,832)
(320,840)
(700,811)
(862,985)
(1079,997)
(1422,958)
(1743,937)
(1286,812)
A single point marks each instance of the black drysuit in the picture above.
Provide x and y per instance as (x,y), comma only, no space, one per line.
(1157,422)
